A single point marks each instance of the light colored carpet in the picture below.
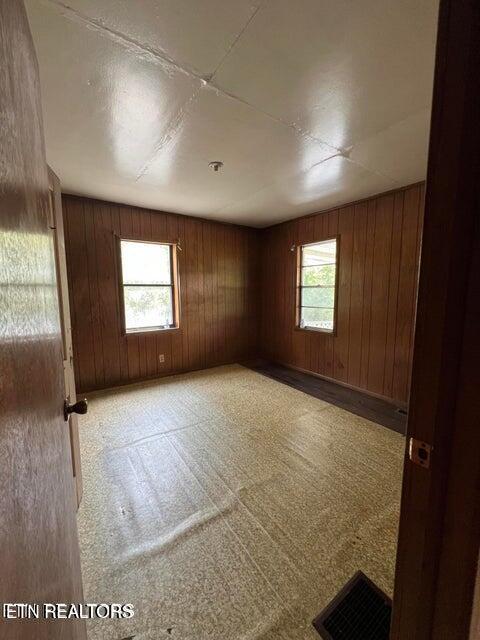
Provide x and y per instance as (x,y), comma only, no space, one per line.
(226,505)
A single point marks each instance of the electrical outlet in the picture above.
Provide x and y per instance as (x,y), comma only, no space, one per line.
(161,357)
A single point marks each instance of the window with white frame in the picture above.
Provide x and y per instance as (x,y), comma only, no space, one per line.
(317,281)
(148,286)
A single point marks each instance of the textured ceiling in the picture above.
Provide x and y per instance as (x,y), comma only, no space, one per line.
(309,103)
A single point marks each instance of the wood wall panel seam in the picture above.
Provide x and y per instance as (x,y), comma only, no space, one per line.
(226,315)
(372,348)
(218,302)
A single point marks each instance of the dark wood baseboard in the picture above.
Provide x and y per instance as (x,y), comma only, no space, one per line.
(91,393)
(361,404)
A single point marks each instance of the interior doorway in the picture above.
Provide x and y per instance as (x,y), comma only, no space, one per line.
(221,501)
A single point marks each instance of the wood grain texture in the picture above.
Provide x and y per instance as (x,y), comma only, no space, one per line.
(361,404)
(218,281)
(440,517)
(378,263)
(57,230)
(39,555)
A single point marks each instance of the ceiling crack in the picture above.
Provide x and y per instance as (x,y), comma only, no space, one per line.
(291,125)
(145,51)
(172,128)
(234,42)
(158,56)
(369,169)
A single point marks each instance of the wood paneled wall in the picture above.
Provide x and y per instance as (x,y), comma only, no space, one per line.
(378,267)
(218,270)
(225,270)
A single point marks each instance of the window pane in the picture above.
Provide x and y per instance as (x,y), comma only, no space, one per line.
(317,318)
(321,275)
(318,297)
(148,307)
(319,253)
(145,263)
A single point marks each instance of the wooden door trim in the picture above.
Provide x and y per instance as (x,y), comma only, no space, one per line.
(58,228)
(437,558)
(39,551)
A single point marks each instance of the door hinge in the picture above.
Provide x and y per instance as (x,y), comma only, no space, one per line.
(420,452)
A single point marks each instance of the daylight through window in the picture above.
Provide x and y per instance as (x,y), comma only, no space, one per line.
(148,285)
(316,285)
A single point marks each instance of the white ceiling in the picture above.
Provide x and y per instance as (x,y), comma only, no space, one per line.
(309,103)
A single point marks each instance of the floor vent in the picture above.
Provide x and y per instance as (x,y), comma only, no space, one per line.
(361,611)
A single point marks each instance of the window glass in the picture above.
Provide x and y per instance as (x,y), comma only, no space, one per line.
(145,263)
(148,287)
(318,266)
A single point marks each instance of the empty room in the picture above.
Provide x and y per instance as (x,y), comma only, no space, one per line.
(239,318)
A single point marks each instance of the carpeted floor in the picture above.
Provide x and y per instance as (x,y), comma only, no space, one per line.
(226,505)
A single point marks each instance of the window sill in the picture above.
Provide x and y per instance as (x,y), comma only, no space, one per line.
(148,331)
(328,332)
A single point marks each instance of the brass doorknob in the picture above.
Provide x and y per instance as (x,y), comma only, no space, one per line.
(81,406)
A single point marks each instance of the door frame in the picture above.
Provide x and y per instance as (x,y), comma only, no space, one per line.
(39,550)
(57,226)
(439,532)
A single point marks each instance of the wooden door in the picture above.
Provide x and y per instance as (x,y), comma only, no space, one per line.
(439,537)
(56,224)
(39,553)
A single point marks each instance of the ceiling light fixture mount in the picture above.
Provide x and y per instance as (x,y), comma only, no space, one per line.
(216,165)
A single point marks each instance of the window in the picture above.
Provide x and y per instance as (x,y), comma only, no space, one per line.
(317,278)
(148,285)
